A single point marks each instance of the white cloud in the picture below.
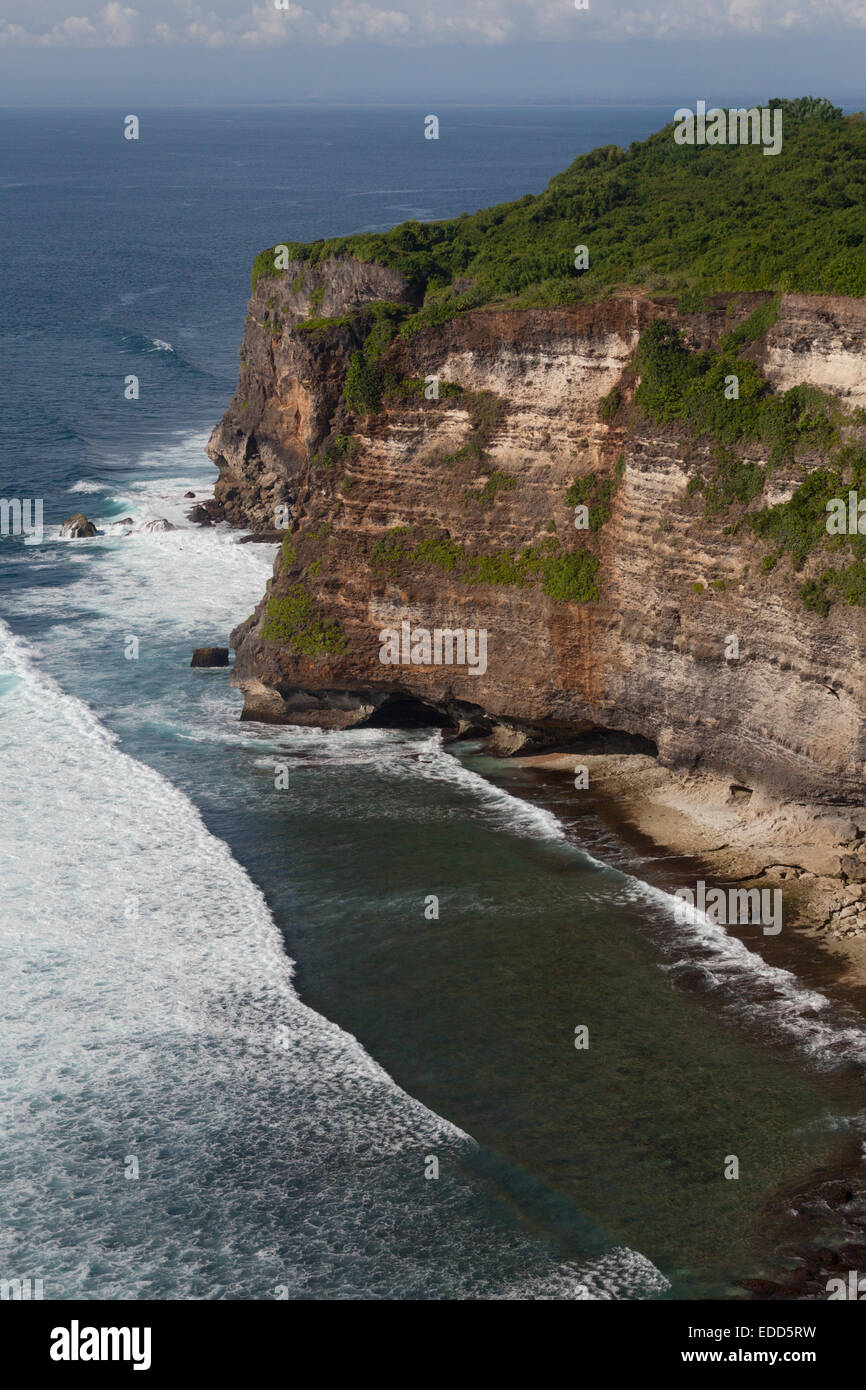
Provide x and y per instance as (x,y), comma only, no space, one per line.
(227,22)
(114,26)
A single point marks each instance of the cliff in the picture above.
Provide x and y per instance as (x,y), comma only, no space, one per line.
(458,512)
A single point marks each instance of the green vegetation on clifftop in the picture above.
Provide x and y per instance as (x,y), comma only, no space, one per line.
(679,217)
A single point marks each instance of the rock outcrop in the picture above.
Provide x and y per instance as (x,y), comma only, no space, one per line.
(290,383)
(210,512)
(77,527)
(455,513)
(210,656)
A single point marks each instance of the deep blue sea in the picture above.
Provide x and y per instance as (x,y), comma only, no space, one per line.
(236,1059)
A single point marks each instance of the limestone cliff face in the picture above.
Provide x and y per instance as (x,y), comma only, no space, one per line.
(392,526)
(290,383)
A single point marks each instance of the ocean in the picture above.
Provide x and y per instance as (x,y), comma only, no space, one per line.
(237,1060)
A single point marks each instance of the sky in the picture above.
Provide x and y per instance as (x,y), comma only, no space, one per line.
(83,52)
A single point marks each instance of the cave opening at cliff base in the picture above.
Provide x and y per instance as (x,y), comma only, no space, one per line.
(405,711)
(409,712)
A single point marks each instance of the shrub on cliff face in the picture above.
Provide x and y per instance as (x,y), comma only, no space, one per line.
(440,551)
(849,582)
(414,388)
(735,480)
(486,412)
(485,496)
(759,322)
(596,494)
(567,576)
(341,448)
(294,621)
(814,597)
(317,328)
(666,370)
(438,308)
(363,389)
(691,302)
(385,318)
(677,385)
(390,554)
(798,528)
(693,388)
(503,567)
(288,553)
(570,577)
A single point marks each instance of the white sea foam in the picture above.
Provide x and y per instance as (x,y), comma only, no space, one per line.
(427,759)
(161,346)
(151,1015)
(196,581)
(126,833)
(756,990)
(499,807)
(620,1273)
(751,988)
(87,485)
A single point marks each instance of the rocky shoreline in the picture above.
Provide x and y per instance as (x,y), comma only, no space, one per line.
(834,1203)
(815,854)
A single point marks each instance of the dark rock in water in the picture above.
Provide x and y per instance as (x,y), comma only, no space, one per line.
(263,538)
(206,513)
(77,526)
(210,656)
(158,524)
(189,494)
(761,1288)
(124,521)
